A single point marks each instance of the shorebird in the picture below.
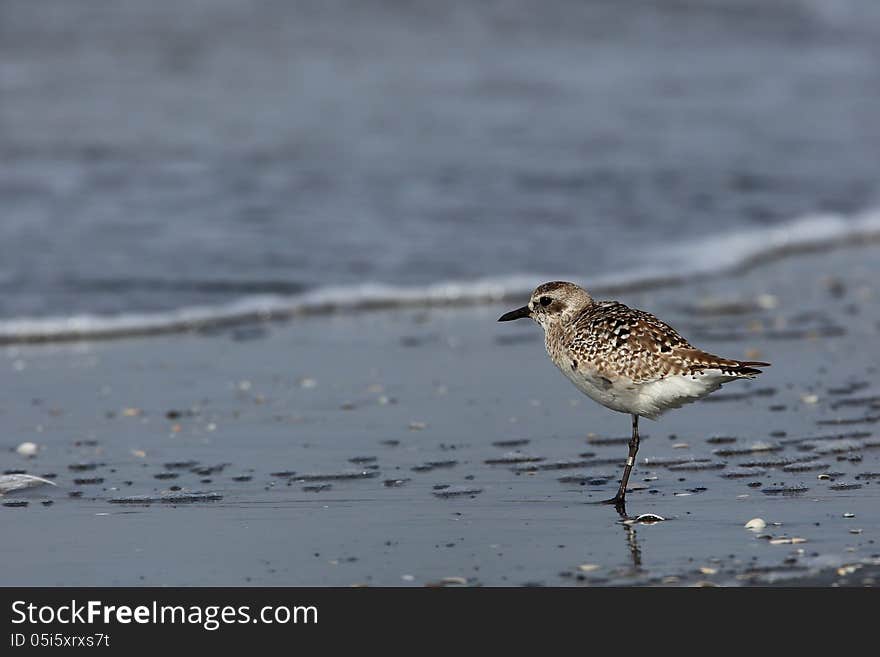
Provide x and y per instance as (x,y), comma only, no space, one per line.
(625,359)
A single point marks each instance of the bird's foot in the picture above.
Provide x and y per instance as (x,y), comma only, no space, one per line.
(619,502)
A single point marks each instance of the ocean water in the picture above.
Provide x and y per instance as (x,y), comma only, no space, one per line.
(175,162)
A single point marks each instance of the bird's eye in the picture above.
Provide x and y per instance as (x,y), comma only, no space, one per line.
(545,301)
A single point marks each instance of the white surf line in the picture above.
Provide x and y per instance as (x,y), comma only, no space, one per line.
(713,256)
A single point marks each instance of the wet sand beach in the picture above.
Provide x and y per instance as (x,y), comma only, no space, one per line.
(437,447)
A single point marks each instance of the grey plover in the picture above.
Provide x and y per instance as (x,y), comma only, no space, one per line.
(625,359)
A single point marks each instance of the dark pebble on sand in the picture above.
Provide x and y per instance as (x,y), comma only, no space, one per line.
(458,491)
(181,465)
(282,473)
(784,490)
(317,488)
(721,440)
(744,451)
(511,443)
(611,440)
(433,465)
(809,466)
(331,476)
(514,457)
(88,481)
(772,462)
(592,480)
(362,459)
(209,469)
(83,467)
(170,498)
(242,478)
(15,503)
(166,475)
(845,486)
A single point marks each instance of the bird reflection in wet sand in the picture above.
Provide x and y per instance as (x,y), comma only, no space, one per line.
(633,544)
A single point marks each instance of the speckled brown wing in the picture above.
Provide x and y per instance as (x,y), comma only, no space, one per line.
(617,340)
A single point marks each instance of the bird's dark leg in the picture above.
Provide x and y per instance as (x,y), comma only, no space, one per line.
(619,500)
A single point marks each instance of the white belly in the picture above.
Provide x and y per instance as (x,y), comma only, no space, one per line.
(619,395)
(645,399)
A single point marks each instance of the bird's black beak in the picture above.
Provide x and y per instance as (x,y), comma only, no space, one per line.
(519,313)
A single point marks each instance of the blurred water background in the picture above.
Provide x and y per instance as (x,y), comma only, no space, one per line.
(164,155)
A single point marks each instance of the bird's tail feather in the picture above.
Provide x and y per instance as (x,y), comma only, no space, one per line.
(701,361)
(748,367)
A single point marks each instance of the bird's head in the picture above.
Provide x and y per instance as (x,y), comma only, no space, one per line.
(551,303)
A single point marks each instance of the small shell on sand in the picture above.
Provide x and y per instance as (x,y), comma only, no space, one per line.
(9,483)
(27,449)
(756,524)
(767,301)
(448,581)
(784,540)
(645,518)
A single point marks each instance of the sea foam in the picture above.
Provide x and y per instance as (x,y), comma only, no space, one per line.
(718,255)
